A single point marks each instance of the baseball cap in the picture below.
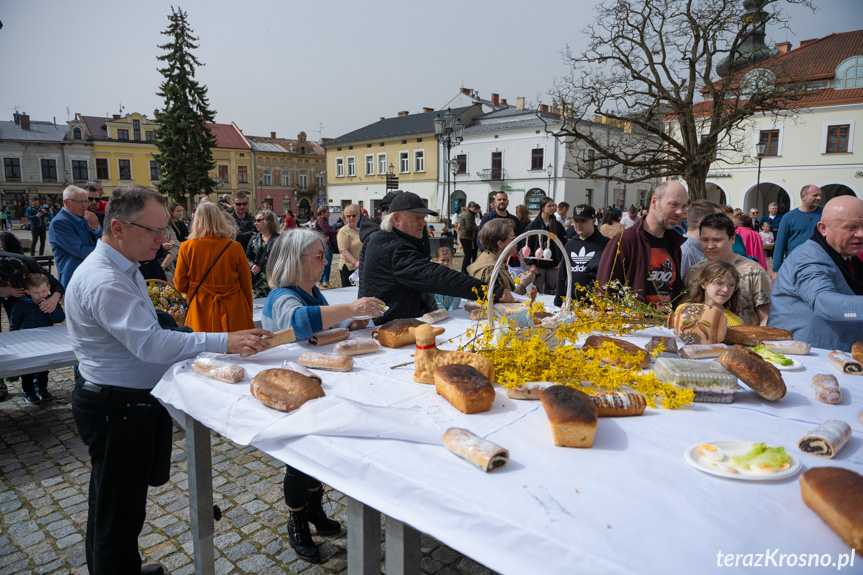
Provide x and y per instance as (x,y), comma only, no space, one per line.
(386,201)
(408,201)
(583,212)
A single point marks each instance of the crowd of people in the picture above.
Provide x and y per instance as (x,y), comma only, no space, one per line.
(222,257)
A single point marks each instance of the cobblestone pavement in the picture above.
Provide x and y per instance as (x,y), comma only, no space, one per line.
(44,473)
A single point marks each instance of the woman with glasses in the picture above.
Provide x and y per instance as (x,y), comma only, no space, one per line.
(213,272)
(349,243)
(259,249)
(296,262)
(495,235)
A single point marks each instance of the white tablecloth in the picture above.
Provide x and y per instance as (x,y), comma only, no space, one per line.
(629,504)
(34,350)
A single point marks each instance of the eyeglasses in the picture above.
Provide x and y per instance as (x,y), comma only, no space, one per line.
(724,284)
(241,203)
(351,216)
(259,220)
(83,202)
(154,231)
(322,257)
(94,199)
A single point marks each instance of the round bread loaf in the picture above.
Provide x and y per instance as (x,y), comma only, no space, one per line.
(763,378)
(284,389)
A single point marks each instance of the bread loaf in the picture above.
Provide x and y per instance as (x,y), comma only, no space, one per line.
(857,351)
(464,387)
(826,388)
(210,365)
(572,415)
(618,404)
(752,335)
(284,389)
(845,363)
(668,343)
(792,347)
(836,496)
(325,361)
(827,439)
(762,377)
(329,336)
(395,333)
(435,316)
(638,357)
(358,346)
(484,454)
(528,390)
(277,339)
(702,351)
(294,366)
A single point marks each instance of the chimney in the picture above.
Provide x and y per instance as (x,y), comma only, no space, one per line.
(519,103)
(382,118)
(495,98)
(116,116)
(17,118)
(503,102)
(427,110)
(273,135)
(543,108)
(25,122)
(807,42)
(782,48)
(403,113)
(156,113)
(465,91)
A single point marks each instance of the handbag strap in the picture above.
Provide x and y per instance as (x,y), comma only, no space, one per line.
(194,293)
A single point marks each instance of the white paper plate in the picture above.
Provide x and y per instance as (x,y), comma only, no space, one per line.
(694,458)
(794,365)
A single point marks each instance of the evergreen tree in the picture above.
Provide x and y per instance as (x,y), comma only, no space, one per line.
(183,139)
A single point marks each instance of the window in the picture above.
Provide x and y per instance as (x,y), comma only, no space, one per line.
(419,160)
(320,179)
(404,162)
(154,171)
(125,167)
(462,163)
(352,166)
(771,138)
(150,136)
(837,138)
(122,134)
(588,197)
(536,159)
(223,175)
(340,167)
(243,174)
(80,171)
(370,164)
(286,178)
(849,74)
(76,133)
(382,164)
(591,161)
(497,166)
(717,148)
(13,168)
(49,170)
(268,178)
(136,131)
(642,197)
(304,179)
(102,168)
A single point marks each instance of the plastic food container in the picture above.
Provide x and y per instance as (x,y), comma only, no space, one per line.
(711,382)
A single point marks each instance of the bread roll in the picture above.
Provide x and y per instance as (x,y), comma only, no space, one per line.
(329,336)
(762,377)
(703,351)
(826,388)
(827,439)
(669,343)
(572,415)
(464,387)
(528,390)
(857,351)
(357,346)
(284,389)
(210,365)
(639,357)
(792,347)
(470,306)
(752,335)
(325,361)
(484,454)
(835,495)
(845,363)
(395,333)
(435,316)
(294,366)
(618,404)
(277,339)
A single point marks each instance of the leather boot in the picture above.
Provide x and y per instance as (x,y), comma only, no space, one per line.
(317,516)
(300,537)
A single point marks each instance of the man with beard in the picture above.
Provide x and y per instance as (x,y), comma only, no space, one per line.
(501,202)
(797,225)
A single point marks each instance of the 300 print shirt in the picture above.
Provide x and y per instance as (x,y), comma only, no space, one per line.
(661,272)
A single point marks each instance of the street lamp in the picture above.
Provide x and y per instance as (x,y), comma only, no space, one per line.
(761,148)
(549,169)
(449,134)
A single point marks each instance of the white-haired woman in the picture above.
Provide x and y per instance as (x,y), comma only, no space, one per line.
(296,262)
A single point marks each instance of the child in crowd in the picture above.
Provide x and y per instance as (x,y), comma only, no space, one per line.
(767,238)
(443,256)
(27,315)
(717,286)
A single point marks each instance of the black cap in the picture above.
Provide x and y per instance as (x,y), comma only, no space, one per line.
(583,212)
(408,201)
(386,201)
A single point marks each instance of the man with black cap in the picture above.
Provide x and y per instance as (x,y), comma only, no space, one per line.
(396,266)
(584,250)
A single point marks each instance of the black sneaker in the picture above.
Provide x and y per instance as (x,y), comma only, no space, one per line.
(44,394)
(30,397)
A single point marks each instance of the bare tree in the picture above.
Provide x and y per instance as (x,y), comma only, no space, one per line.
(650,71)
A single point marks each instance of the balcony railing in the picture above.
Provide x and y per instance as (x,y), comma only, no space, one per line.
(492,174)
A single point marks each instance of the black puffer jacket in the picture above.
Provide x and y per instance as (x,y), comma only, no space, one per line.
(397,269)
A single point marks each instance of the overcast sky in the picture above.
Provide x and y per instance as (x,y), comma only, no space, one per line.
(287,66)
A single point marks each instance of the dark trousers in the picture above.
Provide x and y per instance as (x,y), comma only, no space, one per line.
(128,435)
(297,486)
(32,381)
(469,249)
(345,275)
(326,276)
(37,233)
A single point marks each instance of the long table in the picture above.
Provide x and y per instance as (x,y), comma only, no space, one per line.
(34,350)
(630,504)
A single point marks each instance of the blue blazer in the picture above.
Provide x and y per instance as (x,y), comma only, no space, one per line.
(812,300)
(72,240)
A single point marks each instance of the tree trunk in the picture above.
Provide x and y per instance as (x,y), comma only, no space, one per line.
(696,181)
